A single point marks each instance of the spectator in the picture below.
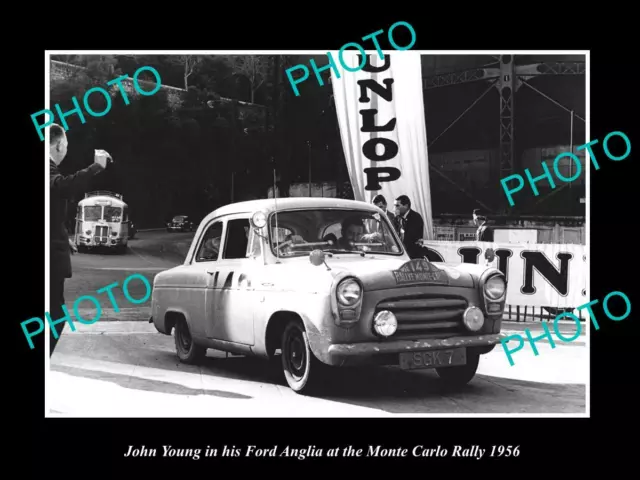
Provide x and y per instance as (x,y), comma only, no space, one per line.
(484,232)
(410,225)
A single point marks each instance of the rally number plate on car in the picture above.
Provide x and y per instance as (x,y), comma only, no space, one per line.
(433,358)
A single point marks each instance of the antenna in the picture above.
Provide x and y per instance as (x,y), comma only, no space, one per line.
(275,200)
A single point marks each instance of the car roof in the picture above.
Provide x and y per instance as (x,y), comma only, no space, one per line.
(269,205)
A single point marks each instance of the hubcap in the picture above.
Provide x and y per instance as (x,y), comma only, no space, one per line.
(185,338)
(297,354)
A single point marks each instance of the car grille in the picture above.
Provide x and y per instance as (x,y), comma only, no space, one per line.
(102,234)
(426,315)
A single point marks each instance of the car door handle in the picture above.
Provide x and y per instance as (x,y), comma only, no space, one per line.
(210,272)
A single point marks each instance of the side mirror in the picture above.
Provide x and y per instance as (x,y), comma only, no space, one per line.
(490,254)
(316,257)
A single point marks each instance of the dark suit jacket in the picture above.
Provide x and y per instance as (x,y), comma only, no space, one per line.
(62,189)
(392,217)
(413,231)
(484,234)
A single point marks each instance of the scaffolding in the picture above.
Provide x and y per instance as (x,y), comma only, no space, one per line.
(507,77)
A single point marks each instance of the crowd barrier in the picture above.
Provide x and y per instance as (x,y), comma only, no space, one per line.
(543,279)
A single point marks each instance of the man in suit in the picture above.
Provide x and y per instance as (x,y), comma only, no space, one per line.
(484,232)
(381,202)
(410,225)
(62,189)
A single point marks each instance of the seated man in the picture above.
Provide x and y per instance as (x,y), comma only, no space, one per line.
(352,231)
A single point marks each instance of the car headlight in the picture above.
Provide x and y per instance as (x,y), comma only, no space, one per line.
(385,323)
(473,318)
(349,292)
(495,288)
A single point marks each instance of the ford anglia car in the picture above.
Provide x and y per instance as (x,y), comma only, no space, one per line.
(325,283)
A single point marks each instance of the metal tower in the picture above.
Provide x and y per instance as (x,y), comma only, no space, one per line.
(507,77)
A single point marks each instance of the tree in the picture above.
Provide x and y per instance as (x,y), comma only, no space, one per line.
(188,63)
(255,68)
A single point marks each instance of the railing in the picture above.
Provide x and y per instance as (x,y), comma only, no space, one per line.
(524,313)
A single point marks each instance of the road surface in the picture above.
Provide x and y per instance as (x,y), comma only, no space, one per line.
(120,366)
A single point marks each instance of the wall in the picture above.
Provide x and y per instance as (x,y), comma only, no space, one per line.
(473,167)
(60,72)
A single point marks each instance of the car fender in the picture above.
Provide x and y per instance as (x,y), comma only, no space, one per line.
(313,309)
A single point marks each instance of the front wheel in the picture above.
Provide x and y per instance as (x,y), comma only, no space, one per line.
(456,377)
(301,367)
(188,352)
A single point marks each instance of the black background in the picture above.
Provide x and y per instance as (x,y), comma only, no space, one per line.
(90,448)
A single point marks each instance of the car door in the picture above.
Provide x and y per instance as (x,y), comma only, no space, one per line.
(234,293)
(205,266)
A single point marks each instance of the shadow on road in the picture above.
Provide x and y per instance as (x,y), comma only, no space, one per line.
(398,391)
(384,388)
(145,384)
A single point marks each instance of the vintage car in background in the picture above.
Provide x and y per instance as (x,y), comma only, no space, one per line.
(325,283)
(132,230)
(180,223)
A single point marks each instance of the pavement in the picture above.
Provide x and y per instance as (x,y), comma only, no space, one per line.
(121,366)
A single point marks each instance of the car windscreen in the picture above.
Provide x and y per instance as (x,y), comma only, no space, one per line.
(92,213)
(113,214)
(331,230)
(178,219)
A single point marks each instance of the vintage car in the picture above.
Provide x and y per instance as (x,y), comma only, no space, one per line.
(132,231)
(180,223)
(325,283)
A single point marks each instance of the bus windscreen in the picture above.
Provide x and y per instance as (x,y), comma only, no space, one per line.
(92,213)
(113,214)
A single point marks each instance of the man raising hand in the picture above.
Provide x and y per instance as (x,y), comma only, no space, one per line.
(62,189)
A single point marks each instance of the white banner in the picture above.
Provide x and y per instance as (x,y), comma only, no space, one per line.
(380,111)
(539,275)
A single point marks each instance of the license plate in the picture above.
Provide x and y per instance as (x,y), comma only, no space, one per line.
(433,358)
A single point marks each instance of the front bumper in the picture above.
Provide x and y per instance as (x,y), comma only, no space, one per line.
(387,352)
(102,242)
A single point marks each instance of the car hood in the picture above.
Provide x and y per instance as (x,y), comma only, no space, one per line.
(377,272)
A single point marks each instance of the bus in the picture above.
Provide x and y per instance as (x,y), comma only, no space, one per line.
(102,220)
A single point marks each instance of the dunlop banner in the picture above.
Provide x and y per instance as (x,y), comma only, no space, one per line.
(539,275)
(380,111)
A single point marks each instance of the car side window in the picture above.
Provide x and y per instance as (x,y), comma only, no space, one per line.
(210,246)
(237,239)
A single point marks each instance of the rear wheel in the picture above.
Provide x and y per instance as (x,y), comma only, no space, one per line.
(301,368)
(456,377)
(188,352)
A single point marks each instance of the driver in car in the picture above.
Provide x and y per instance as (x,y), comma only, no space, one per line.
(352,231)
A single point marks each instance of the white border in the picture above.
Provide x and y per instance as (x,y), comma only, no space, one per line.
(586,53)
